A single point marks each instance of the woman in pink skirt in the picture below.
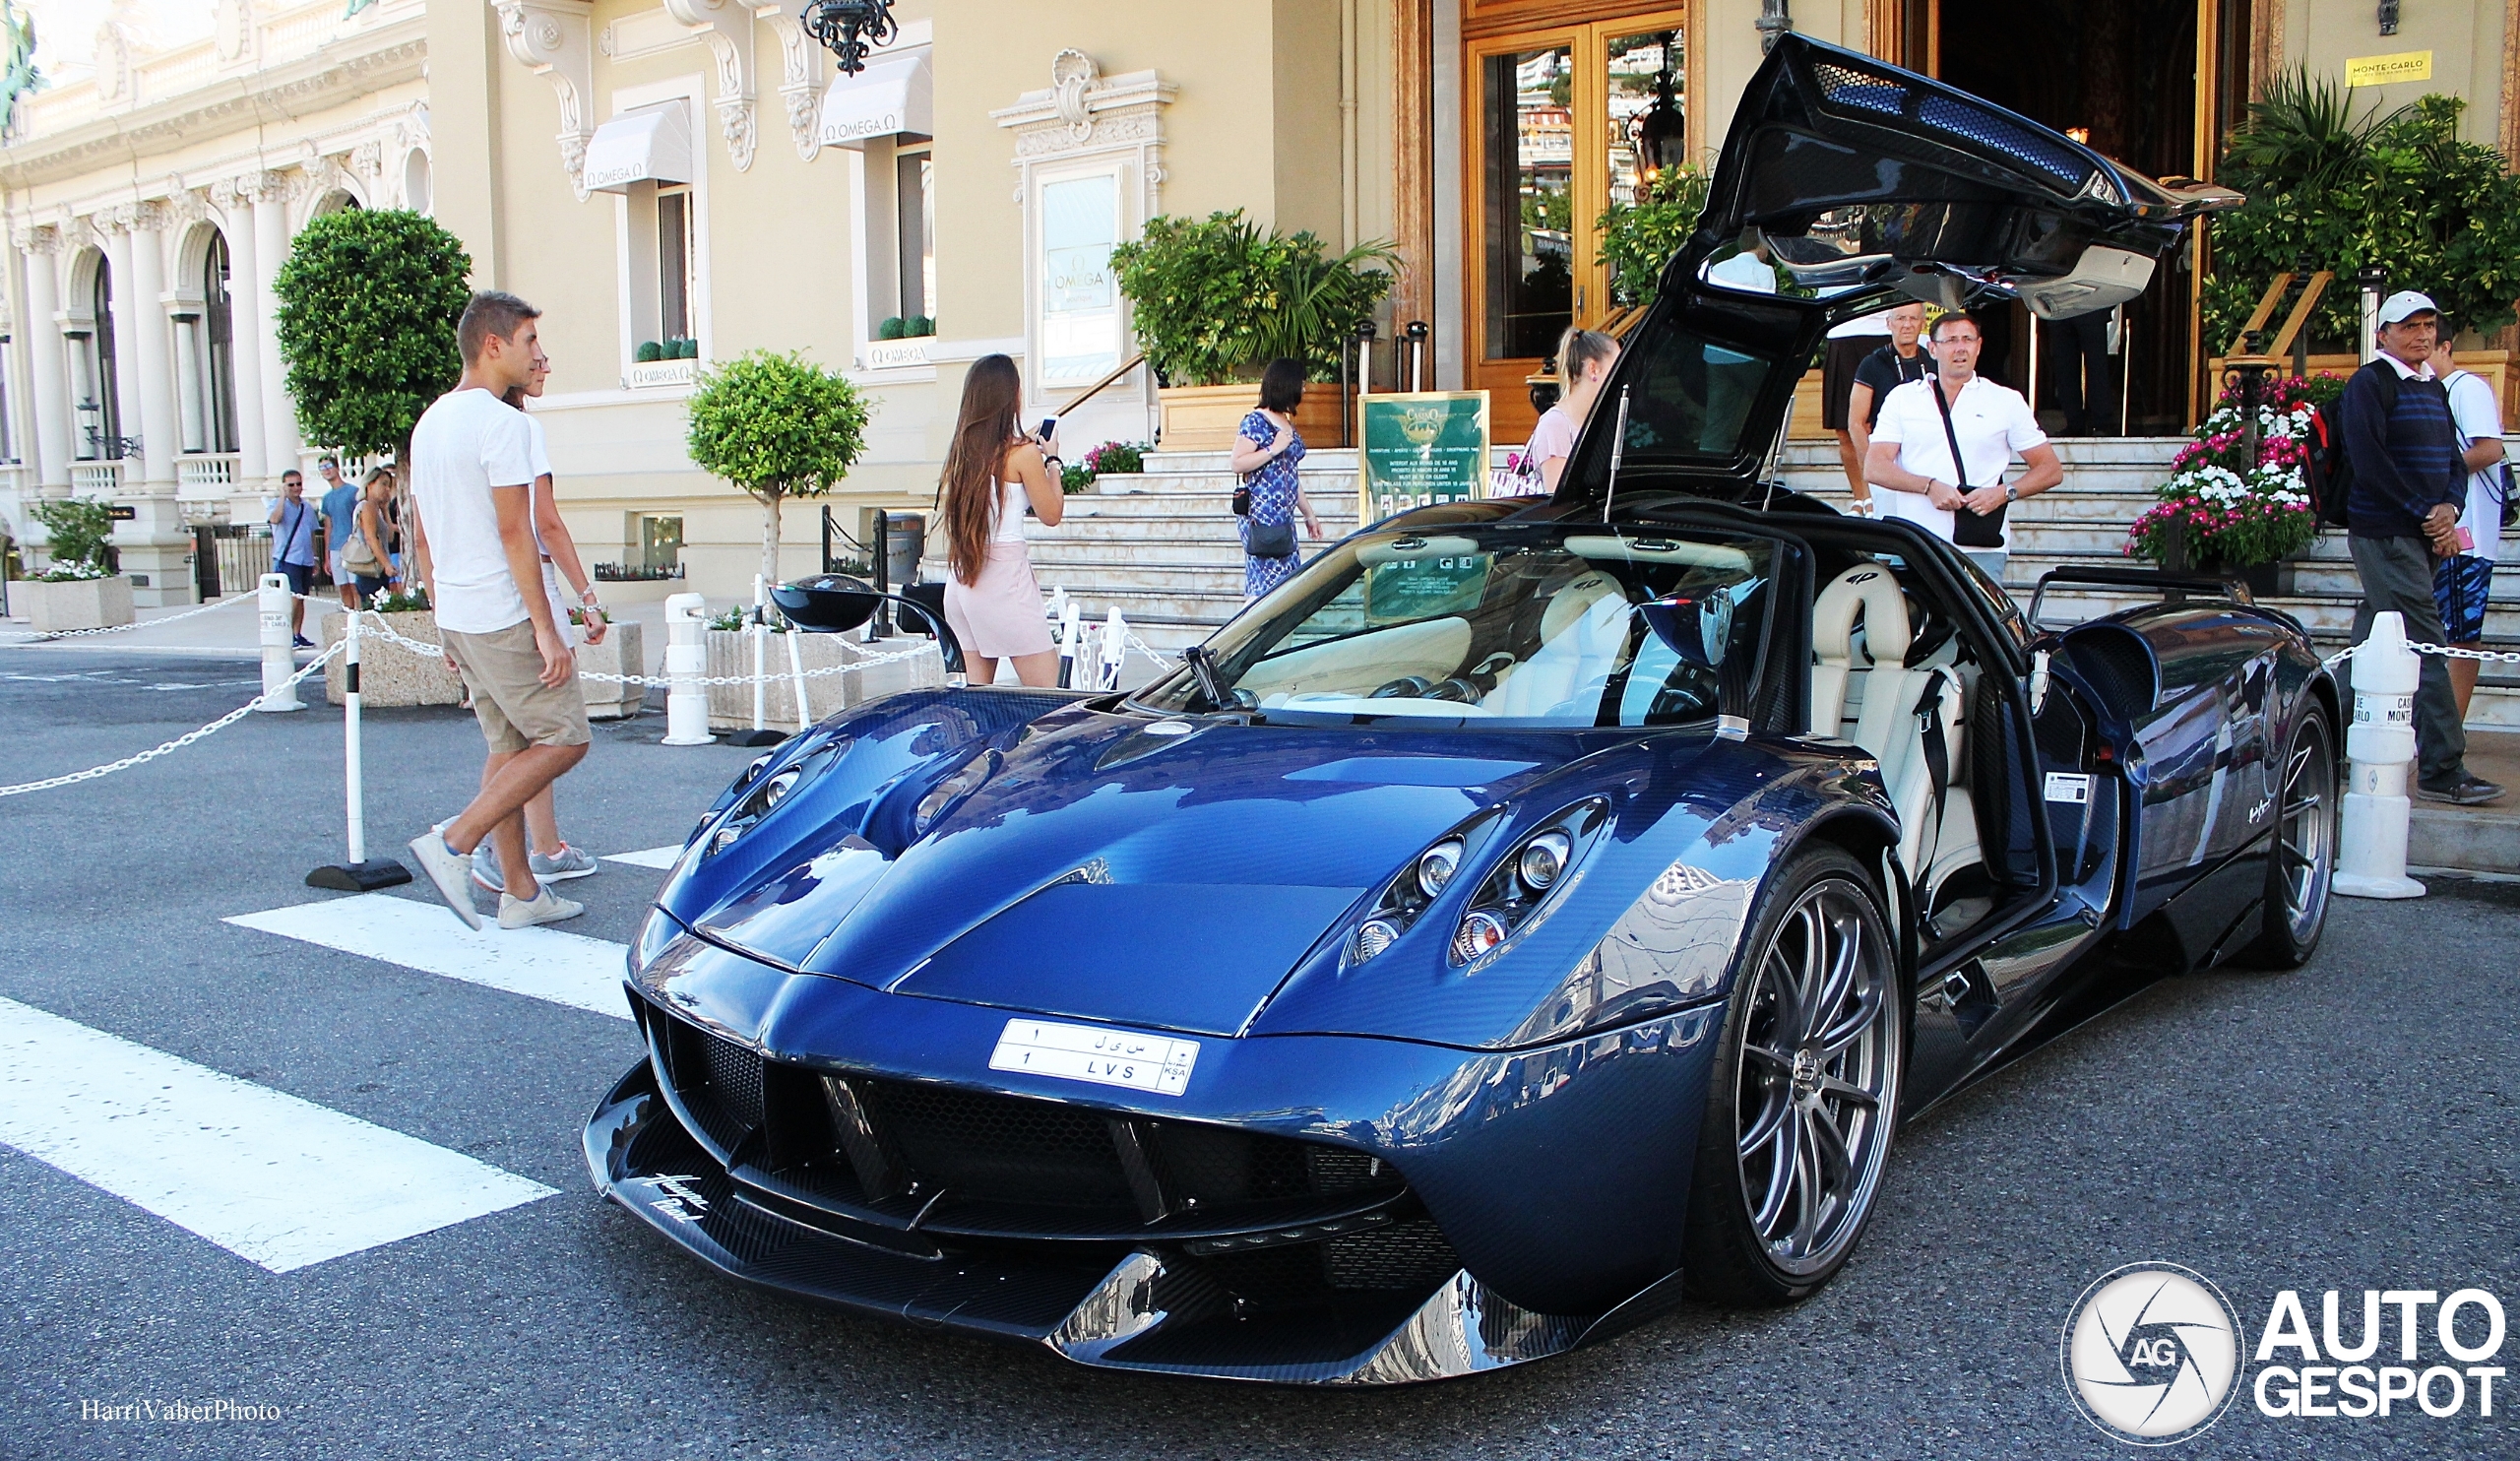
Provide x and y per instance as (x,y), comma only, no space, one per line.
(991,469)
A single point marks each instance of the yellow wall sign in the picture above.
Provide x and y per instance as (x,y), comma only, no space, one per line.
(2373,71)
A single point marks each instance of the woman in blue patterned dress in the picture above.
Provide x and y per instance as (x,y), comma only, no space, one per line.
(1267,453)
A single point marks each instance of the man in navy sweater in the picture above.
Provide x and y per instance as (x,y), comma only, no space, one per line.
(2402,513)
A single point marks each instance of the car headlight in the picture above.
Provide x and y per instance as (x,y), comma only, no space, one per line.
(1530,876)
(1421,881)
(758,795)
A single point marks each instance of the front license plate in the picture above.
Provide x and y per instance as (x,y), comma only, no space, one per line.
(1156,1063)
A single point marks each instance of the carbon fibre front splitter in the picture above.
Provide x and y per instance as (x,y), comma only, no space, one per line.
(1138,1313)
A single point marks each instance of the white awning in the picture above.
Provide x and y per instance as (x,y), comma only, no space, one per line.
(650,145)
(890,97)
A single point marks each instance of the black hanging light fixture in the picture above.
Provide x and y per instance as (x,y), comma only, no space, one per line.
(850,29)
(1660,133)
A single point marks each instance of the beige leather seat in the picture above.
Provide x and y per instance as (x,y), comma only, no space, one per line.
(1582,632)
(1867,694)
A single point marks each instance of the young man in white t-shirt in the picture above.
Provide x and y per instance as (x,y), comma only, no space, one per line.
(472,474)
(1910,452)
(2461,581)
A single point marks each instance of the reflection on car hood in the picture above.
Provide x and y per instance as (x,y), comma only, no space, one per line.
(1104,872)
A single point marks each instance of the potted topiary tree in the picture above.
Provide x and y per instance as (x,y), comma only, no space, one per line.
(1214,299)
(79,590)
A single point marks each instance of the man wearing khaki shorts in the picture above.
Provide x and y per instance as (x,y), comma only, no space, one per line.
(471,478)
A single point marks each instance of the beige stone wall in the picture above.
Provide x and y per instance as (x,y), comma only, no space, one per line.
(2465,40)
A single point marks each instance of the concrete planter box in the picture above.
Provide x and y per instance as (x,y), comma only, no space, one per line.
(623,651)
(730,653)
(388,673)
(81,604)
(1203,419)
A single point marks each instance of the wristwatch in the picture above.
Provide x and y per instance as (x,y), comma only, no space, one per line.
(2012,492)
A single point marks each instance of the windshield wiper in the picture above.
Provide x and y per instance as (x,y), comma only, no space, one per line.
(1203,667)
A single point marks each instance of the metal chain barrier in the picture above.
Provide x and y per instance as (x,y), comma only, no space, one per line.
(1150,652)
(2445,651)
(180,741)
(213,606)
(384,630)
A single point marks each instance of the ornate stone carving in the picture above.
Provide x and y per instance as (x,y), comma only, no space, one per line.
(235,32)
(185,206)
(800,85)
(368,159)
(1083,113)
(555,39)
(727,27)
(1072,73)
(412,130)
(116,54)
(42,239)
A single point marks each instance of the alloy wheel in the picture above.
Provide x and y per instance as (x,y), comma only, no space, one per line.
(1818,1072)
(2305,831)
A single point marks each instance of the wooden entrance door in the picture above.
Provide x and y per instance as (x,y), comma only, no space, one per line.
(1557,117)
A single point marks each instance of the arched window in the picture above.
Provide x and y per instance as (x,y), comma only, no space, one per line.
(209,381)
(100,409)
(415,181)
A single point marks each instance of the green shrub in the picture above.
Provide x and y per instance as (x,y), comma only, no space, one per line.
(918,327)
(368,301)
(777,426)
(1122,456)
(78,532)
(2396,189)
(648,353)
(1075,478)
(892,328)
(1217,298)
(1639,238)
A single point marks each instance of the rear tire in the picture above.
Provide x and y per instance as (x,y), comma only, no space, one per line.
(2301,863)
(1803,1098)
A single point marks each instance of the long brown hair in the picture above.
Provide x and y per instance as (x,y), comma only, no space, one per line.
(969,498)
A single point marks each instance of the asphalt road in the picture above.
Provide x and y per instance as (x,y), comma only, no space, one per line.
(2345,1126)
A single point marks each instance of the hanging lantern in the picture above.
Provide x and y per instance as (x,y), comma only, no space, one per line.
(848,28)
(1660,133)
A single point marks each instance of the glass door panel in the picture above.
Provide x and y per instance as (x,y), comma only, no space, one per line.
(1647,111)
(1526,123)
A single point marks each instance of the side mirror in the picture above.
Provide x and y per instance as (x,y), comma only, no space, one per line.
(1697,630)
(835,604)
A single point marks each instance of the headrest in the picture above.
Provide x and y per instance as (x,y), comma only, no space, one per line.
(1867,590)
(1570,603)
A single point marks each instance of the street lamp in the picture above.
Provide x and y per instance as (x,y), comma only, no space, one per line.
(1660,133)
(850,29)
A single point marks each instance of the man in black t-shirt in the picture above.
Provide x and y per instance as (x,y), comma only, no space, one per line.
(1893,366)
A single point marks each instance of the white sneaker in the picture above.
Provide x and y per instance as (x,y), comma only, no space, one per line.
(547,906)
(450,871)
(562,865)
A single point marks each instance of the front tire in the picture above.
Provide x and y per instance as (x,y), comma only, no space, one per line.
(2301,863)
(1803,1098)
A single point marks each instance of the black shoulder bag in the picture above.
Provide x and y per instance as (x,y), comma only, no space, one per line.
(1970,527)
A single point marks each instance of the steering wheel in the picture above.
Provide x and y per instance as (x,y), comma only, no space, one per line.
(1411,686)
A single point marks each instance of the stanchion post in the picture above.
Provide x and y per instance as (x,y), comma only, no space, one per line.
(686,661)
(1115,651)
(1071,626)
(280,661)
(797,674)
(358,875)
(760,733)
(2371,857)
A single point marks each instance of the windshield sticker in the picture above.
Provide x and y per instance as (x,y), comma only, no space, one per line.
(1426,588)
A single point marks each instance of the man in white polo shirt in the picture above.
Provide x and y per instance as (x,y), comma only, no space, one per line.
(471,476)
(1911,456)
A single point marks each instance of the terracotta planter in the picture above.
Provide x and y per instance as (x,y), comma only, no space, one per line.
(1203,419)
(730,653)
(80,604)
(388,673)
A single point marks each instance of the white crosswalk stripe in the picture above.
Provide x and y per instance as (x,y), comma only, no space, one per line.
(543,963)
(659,858)
(265,1175)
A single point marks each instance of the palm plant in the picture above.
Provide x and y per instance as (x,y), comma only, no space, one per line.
(1321,299)
(2303,133)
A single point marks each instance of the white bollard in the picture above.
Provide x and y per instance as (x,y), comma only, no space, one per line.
(2371,860)
(1115,651)
(686,661)
(1071,629)
(280,661)
(796,674)
(358,875)
(760,651)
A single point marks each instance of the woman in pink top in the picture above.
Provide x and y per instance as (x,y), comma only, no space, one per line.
(1584,362)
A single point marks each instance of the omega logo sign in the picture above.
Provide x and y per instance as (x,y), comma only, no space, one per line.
(844,129)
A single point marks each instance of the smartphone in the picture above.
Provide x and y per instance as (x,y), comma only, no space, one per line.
(1048,426)
(2467,542)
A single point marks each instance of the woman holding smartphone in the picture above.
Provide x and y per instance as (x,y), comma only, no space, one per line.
(992,470)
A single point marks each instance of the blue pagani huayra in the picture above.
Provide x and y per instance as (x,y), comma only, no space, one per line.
(1530,909)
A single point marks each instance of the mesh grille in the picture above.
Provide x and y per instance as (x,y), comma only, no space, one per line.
(1001,1148)
(735,1078)
(1856,89)
(1404,1257)
(1217,1166)
(1990,129)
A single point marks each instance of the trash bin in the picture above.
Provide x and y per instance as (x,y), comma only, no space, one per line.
(906,540)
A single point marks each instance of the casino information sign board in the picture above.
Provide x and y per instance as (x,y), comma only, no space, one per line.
(1419,447)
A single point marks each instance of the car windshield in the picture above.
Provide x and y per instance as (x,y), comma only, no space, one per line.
(1496,625)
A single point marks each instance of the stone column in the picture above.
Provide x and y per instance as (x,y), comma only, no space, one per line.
(271,250)
(160,431)
(50,362)
(245,334)
(127,321)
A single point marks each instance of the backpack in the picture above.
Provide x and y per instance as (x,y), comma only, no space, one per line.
(2331,471)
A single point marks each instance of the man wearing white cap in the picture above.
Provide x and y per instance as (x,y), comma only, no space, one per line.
(2402,512)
